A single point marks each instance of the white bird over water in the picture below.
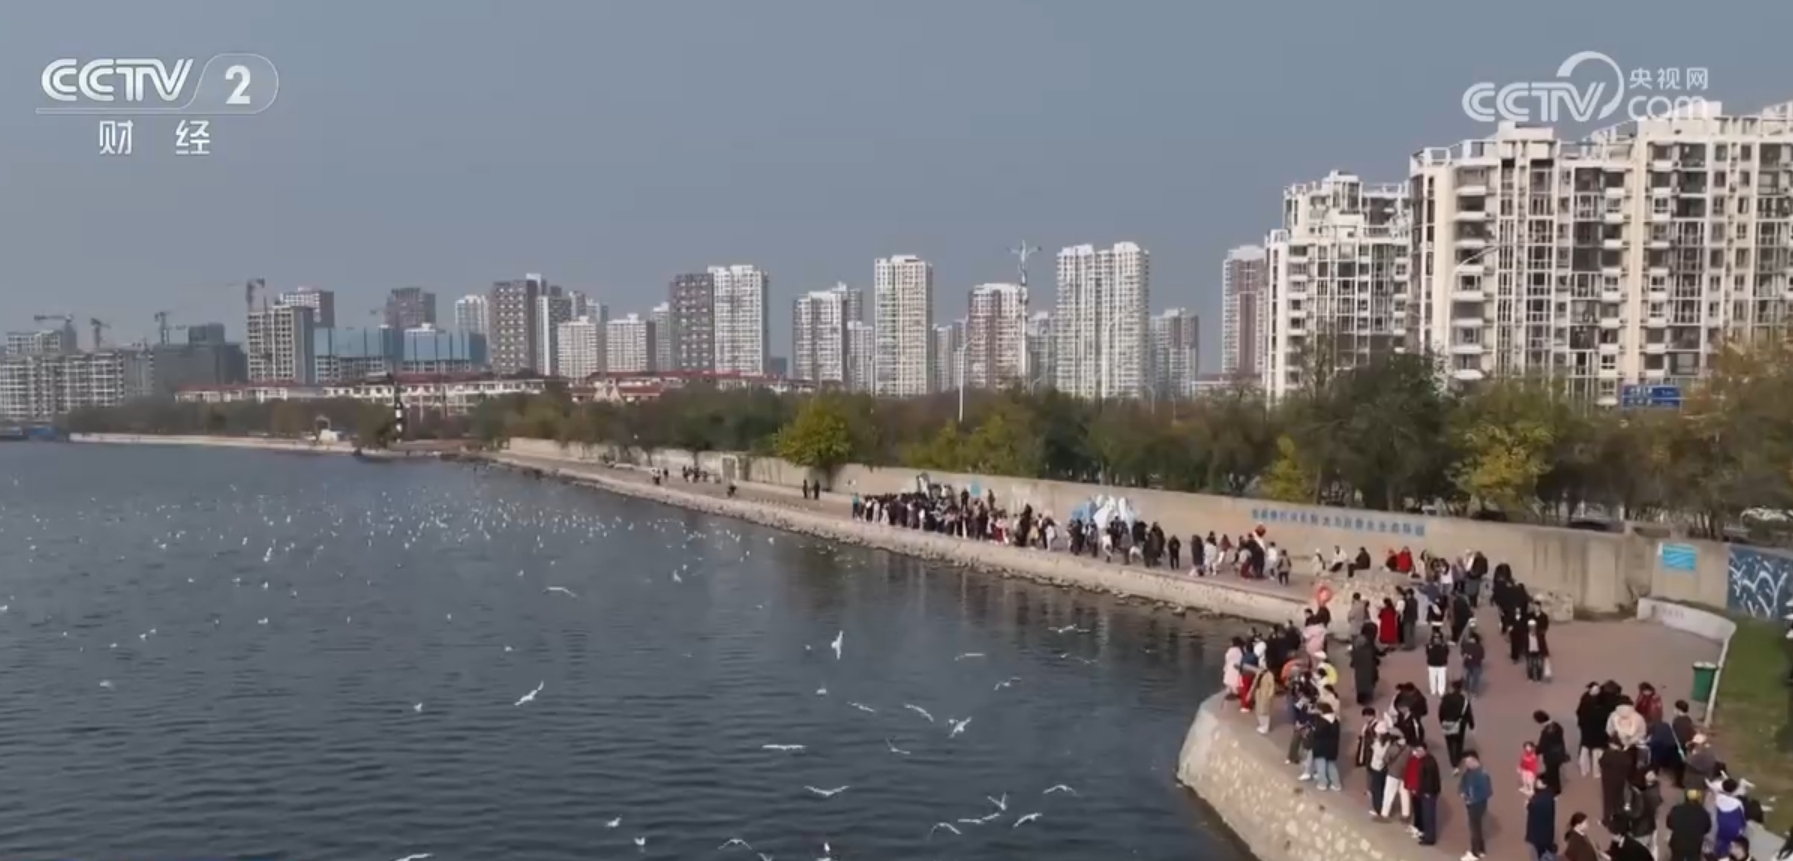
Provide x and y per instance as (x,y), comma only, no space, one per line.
(562,590)
(1006,682)
(958,726)
(969,655)
(1024,820)
(417,708)
(734,842)
(415,857)
(839,635)
(614,822)
(942,826)
(1059,788)
(920,711)
(894,749)
(864,708)
(641,842)
(1002,803)
(827,793)
(782,747)
(530,697)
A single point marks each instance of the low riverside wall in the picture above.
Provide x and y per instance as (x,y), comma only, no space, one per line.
(1056,568)
(263,443)
(1595,572)
(1242,776)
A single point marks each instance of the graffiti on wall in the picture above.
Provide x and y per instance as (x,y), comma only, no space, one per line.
(1355,521)
(1757,582)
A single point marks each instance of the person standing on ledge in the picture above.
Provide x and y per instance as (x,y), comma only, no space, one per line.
(1476,789)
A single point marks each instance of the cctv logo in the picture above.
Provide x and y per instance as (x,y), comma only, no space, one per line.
(109,80)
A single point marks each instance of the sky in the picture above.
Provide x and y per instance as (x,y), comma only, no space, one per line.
(611,144)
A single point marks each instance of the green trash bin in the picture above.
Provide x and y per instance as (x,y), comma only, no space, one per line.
(1704,674)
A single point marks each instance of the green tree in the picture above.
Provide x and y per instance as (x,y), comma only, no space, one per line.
(1289,478)
(818,437)
(1506,434)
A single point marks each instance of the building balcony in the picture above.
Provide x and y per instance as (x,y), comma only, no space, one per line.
(1612,322)
(1471,269)
(1655,373)
(1613,244)
(1469,294)
(1467,375)
(1616,192)
(1656,322)
(1607,374)
(1661,217)
(1472,242)
(1612,271)
(1466,349)
(1607,401)
(1607,349)
(1613,216)
(1472,215)
(1612,294)
(1476,189)
(1656,349)
(1657,244)
(1662,191)
(1468,322)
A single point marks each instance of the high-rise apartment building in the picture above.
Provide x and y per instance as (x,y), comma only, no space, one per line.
(1041,350)
(862,344)
(41,387)
(664,336)
(946,356)
(1242,279)
(473,314)
(552,309)
(580,343)
(1176,353)
(996,336)
(819,335)
(739,311)
(514,333)
(1627,258)
(693,300)
(43,342)
(1338,286)
(410,308)
(629,344)
(205,333)
(321,302)
(903,309)
(279,345)
(1100,317)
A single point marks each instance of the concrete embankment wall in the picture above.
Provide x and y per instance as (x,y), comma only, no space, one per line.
(263,443)
(1055,568)
(1593,571)
(1241,775)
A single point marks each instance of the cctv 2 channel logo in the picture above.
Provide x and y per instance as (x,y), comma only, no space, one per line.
(226,84)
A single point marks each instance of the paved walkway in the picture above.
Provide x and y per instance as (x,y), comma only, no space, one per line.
(1628,652)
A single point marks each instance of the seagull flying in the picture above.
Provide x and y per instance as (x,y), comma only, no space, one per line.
(530,697)
(958,726)
(1006,682)
(942,826)
(1002,803)
(827,793)
(1059,788)
(840,635)
(782,747)
(969,655)
(733,842)
(417,708)
(894,749)
(415,857)
(562,590)
(1024,820)
(864,708)
(920,711)
(614,822)
(641,842)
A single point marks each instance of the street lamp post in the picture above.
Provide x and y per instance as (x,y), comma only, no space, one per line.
(959,355)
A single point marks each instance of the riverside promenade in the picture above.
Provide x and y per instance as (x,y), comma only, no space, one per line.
(1325,826)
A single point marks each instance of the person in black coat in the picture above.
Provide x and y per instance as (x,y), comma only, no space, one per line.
(1590,719)
(1540,822)
(1431,785)
(1553,751)
(1324,741)
(1455,719)
(1688,824)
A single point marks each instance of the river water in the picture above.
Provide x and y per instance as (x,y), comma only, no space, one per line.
(212,653)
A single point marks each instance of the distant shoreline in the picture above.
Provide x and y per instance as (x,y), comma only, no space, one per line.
(250,442)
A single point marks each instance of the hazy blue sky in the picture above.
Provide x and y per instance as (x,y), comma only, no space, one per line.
(611,144)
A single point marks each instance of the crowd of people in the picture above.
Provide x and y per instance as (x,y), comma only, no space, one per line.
(1639,750)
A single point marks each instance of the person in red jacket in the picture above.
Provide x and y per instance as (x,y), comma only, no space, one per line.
(1404,561)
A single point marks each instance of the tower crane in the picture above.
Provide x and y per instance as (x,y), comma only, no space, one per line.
(68,328)
(98,326)
(1022,252)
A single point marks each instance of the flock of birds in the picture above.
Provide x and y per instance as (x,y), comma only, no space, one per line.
(408,532)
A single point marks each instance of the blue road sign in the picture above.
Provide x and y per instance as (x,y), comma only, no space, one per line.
(1650,396)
